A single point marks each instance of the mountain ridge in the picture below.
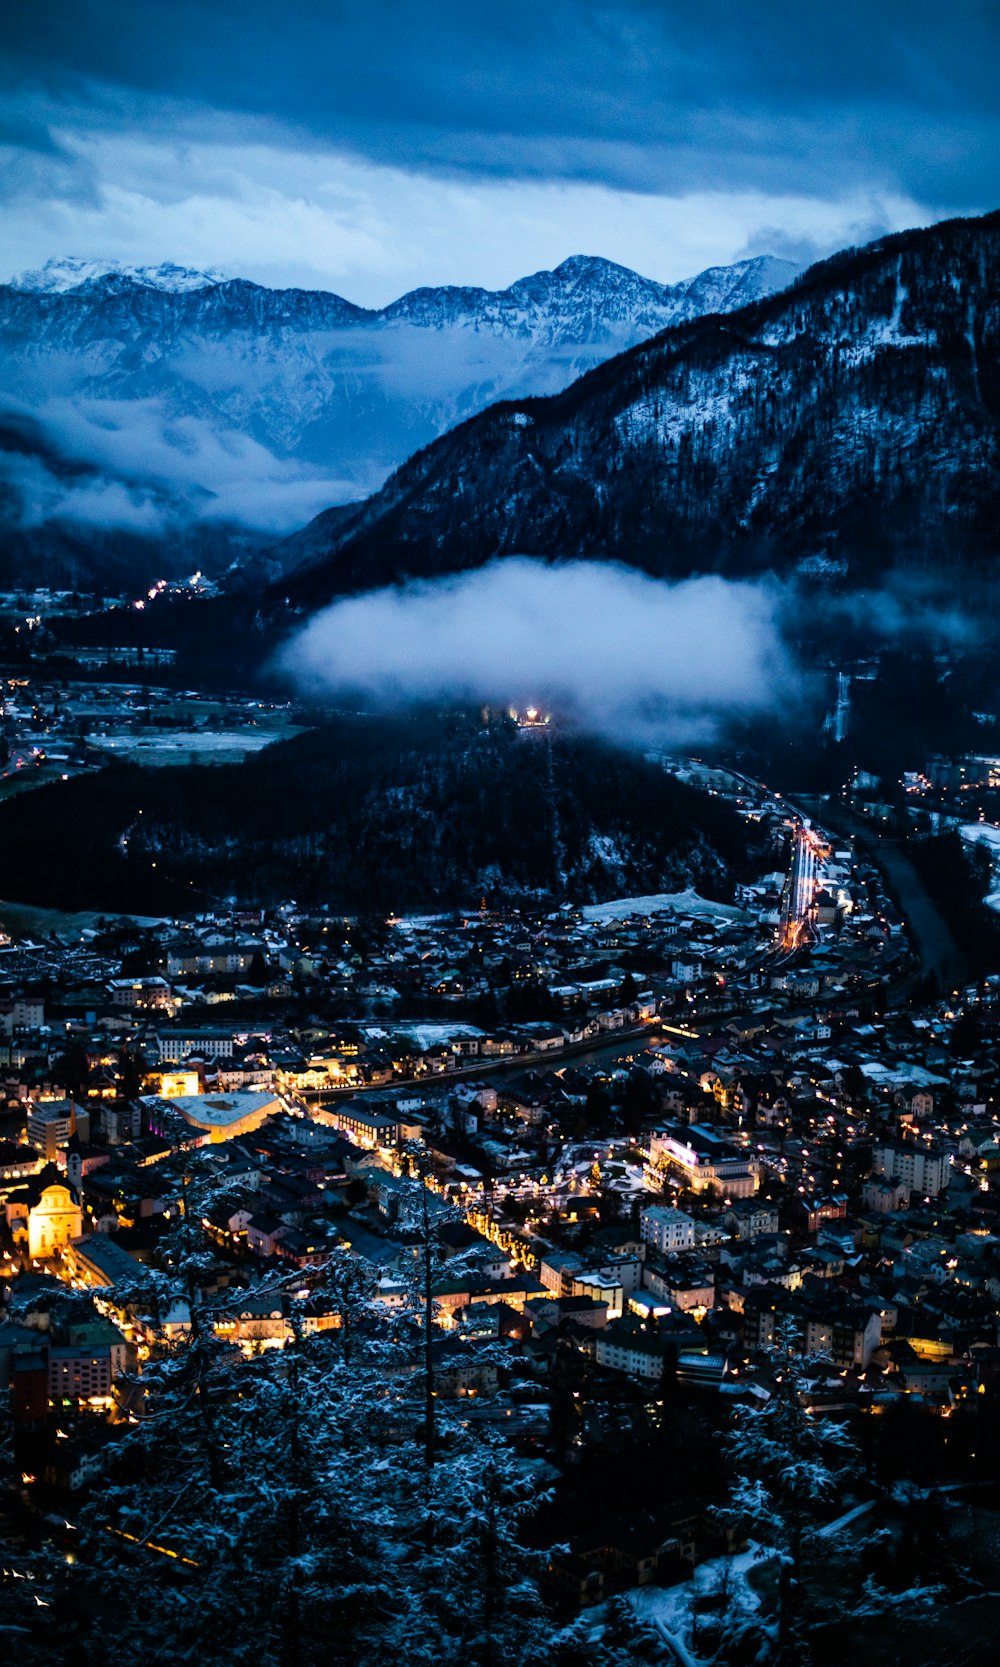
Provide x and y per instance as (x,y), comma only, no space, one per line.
(177,399)
(851,418)
(70,274)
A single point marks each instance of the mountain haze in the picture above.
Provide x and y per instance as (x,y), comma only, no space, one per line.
(142,403)
(846,425)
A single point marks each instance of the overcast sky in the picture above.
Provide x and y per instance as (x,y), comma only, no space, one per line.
(370,147)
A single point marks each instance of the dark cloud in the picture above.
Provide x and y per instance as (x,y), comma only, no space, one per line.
(22,131)
(773,96)
(33,162)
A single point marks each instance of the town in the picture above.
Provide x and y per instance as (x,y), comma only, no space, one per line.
(499,836)
(610,1157)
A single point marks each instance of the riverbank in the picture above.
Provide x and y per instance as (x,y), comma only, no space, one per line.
(929,931)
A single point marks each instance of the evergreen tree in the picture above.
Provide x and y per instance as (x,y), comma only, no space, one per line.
(787,1463)
(297,1506)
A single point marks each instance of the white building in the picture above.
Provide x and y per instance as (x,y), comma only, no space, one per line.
(666,1229)
(52,1122)
(923,1170)
(202,1042)
(704,1161)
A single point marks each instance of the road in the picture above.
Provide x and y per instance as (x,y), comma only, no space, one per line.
(801,889)
(607,1049)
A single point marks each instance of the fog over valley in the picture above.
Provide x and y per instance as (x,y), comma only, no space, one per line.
(151,399)
(629,656)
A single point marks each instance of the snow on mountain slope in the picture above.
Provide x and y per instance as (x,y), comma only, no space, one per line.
(71,272)
(192,397)
(852,419)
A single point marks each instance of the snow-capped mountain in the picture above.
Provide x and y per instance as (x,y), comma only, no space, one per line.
(72,272)
(849,424)
(587,301)
(143,400)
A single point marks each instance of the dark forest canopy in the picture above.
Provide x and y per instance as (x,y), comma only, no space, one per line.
(392,812)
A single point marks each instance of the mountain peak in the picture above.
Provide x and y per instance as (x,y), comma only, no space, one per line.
(742,443)
(316,400)
(590,266)
(73,271)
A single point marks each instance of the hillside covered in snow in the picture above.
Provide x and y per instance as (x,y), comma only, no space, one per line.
(845,426)
(157,419)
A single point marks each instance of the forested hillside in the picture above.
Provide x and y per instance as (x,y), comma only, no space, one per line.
(848,423)
(384,813)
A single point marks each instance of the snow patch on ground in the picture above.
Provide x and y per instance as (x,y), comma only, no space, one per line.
(167,747)
(416,923)
(670,1609)
(829,1529)
(429,1036)
(981,833)
(676,902)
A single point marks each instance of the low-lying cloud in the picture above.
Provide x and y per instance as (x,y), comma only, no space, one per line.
(150,469)
(262,431)
(614,649)
(907,608)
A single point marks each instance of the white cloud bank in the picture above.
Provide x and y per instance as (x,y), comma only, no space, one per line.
(621,652)
(155,469)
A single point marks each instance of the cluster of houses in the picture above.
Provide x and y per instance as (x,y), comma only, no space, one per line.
(647,1145)
(295,1001)
(828,1181)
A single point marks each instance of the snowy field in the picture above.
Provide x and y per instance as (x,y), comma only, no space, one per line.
(983,833)
(416,923)
(677,902)
(217,746)
(26,919)
(429,1036)
(895,1076)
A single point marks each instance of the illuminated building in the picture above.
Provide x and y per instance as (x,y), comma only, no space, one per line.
(217,1116)
(53,1222)
(702,1160)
